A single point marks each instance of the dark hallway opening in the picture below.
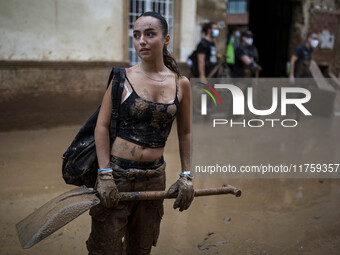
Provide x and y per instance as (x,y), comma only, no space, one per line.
(270,21)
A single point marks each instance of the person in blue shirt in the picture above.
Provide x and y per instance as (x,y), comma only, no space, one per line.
(246,58)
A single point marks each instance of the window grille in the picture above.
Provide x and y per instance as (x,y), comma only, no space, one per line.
(237,6)
(137,7)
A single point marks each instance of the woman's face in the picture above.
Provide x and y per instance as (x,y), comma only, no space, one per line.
(148,38)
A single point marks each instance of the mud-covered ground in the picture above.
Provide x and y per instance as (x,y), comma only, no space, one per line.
(273,216)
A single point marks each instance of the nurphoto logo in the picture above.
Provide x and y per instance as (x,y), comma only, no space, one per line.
(239,101)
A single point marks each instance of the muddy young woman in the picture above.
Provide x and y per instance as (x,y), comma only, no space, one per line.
(154,94)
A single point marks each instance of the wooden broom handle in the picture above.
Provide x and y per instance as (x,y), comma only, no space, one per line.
(154,195)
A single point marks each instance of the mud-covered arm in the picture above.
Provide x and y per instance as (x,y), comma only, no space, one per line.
(246,60)
(184,124)
(105,185)
(101,133)
(183,186)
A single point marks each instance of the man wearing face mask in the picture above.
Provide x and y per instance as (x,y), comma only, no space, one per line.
(301,58)
(206,51)
(246,57)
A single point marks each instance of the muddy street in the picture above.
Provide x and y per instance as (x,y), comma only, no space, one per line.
(273,216)
(260,111)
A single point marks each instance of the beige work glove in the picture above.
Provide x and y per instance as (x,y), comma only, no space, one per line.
(107,189)
(185,193)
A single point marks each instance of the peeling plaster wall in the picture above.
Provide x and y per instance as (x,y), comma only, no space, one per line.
(212,10)
(61,30)
(322,17)
(55,59)
(301,13)
(188,29)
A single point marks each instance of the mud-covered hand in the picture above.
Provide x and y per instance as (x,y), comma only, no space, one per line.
(107,189)
(185,192)
(203,79)
(255,67)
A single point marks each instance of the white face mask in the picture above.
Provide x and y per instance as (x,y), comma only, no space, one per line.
(249,41)
(237,34)
(314,43)
(215,32)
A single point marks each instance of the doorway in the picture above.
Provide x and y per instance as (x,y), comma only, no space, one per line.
(270,21)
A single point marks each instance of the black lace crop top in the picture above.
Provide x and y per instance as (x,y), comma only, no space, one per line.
(144,122)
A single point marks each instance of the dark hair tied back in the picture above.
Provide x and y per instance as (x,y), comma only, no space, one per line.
(168,59)
(207,26)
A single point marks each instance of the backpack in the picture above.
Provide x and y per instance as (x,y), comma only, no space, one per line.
(192,62)
(80,165)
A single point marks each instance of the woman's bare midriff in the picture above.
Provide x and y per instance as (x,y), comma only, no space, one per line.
(131,151)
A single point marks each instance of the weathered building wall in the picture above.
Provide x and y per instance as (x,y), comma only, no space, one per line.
(187,28)
(213,10)
(322,17)
(326,24)
(61,30)
(46,94)
(56,55)
(55,58)
(44,44)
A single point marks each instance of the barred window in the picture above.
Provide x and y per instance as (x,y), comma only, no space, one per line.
(237,6)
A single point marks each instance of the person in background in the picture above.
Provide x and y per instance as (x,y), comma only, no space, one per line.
(301,58)
(206,50)
(232,45)
(246,57)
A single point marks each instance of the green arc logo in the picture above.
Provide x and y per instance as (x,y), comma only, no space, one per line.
(209,93)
